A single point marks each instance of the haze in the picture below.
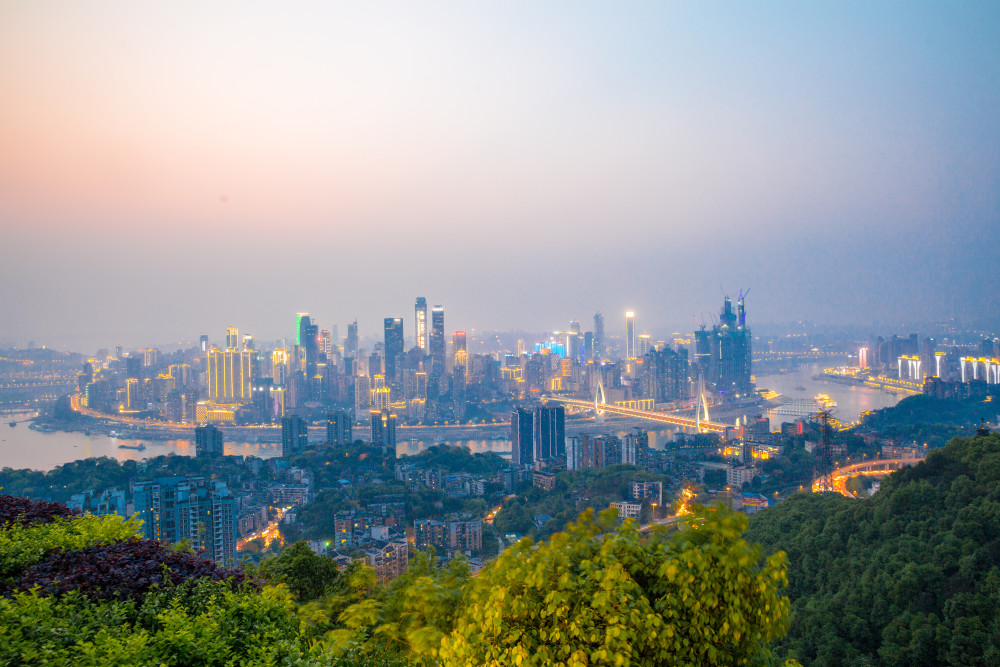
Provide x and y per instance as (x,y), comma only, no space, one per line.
(171,169)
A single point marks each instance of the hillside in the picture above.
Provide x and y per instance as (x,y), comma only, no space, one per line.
(908,577)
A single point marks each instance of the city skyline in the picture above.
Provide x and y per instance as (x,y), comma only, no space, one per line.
(181,169)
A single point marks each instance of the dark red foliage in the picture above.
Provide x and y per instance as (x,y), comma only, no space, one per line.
(27,512)
(124,570)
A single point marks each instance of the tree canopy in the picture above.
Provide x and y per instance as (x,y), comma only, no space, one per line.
(910,576)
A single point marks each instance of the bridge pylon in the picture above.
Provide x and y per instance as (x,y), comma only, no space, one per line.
(702,404)
(599,402)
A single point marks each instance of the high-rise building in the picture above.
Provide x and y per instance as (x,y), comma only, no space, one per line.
(629,335)
(599,336)
(420,323)
(208,441)
(383,430)
(294,435)
(204,342)
(232,338)
(548,433)
(394,348)
(189,508)
(230,374)
(436,342)
(351,343)
(521,437)
(729,351)
(248,342)
(338,428)
(301,321)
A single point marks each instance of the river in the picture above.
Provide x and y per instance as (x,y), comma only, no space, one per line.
(22,447)
(799,385)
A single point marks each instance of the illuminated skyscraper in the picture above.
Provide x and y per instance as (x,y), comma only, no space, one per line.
(230,375)
(204,343)
(394,348)
(420,322)
(298,326)
(248,342)
(436,342)
(629,335)
(232,338)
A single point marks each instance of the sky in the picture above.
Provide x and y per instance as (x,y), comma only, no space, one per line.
(170,169)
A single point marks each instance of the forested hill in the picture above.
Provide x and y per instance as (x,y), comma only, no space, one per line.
(908,577)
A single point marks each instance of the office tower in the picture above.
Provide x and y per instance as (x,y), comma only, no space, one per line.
(729,359)
(301,321)
(588,347)
(310,346)
(362,395)
(189,508)
(338,428)
(665,374)
(548,433)
(459,341)
(380,393)
(232,338)
(420,323)
(260,399)
(436,342)
(294,435)
(394,348)
(643,345)
(599,336)
(204,343)
(574,453)
(230,375)
(521,436)
(326,343)
(248,342)
(573,341)
(629,335)
(351,343)
(133,367)
(207,441)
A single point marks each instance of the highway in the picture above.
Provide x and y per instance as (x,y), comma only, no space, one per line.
(876,468)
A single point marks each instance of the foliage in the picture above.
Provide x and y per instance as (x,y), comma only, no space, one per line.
(457,459)
(307,575)
(26,512)
(204,624)
(910,576)
(122,570)
(699,596)
(22,547)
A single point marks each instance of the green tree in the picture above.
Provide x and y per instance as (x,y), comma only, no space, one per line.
(308,575)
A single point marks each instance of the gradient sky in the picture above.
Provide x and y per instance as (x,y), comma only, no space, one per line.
(168,169)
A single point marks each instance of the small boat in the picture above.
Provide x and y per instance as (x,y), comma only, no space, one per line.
(12,424)
(140,447)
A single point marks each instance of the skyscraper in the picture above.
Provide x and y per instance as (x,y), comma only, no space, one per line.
(629,335)
(230,373)
(204,343)
(351,343)
(420,323)
(394,348)
(729,359)
(598,336)
(548,433)
(436,342)
(232,338)
(299,331)
(521,436)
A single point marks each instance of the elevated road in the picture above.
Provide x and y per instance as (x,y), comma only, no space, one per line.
(649,415)
(876,468)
